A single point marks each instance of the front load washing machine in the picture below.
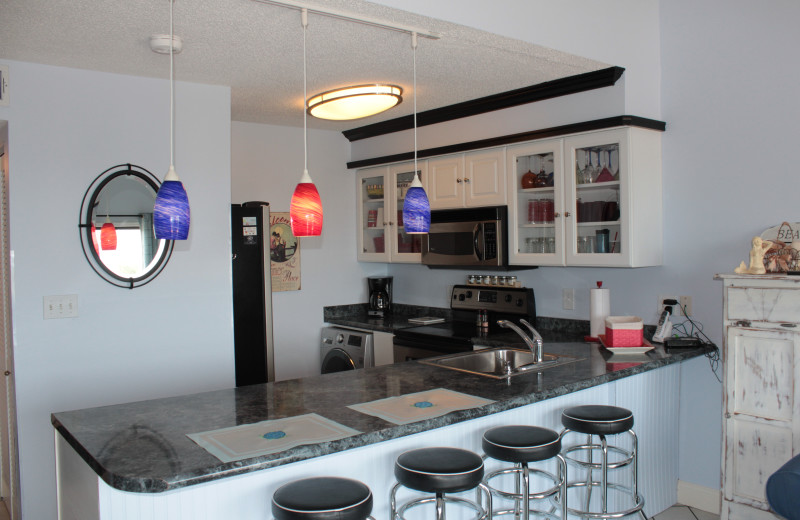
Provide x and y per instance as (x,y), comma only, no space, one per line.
(345,349)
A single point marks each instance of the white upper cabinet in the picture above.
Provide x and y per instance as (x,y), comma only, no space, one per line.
(467,180)
(591,199)
(381,192)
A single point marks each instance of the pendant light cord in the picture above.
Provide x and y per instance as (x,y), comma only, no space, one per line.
(304,20)
(414,46)
(171,90)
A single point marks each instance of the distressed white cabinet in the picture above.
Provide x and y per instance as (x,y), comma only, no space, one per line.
(467,179)
(607,181)
(761,388)
(380,193)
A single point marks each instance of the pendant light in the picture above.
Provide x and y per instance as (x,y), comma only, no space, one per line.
(305,210)
(171,211)
(108,236)
(416,208)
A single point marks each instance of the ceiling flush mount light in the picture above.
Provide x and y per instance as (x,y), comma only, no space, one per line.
(305,210)
(348,103)
(416,207)
(171,215)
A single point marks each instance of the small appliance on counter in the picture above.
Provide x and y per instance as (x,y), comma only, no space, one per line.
(475,314)
(380,296)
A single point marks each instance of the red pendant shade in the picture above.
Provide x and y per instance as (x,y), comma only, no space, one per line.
(305,210)
(108,237)
(94,239)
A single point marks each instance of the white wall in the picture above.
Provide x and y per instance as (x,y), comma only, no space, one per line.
(170,337)
(617,32)
(266,164)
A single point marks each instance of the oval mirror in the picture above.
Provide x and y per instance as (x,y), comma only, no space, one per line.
(116,227)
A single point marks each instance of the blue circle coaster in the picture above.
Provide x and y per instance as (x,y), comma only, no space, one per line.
(274,435)
(423,404)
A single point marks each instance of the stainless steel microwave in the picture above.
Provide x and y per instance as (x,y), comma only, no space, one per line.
(471,237)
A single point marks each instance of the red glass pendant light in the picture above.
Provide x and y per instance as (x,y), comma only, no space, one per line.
(108,236)
(305,210)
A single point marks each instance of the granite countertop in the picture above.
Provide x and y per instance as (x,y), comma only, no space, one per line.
(143,447)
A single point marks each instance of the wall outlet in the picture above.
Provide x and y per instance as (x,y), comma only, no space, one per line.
(568,299)
(661,305)
(686,305)
(61,306)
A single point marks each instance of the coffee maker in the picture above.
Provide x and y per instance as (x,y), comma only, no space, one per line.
(380,296)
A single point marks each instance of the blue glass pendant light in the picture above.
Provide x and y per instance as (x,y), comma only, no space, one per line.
(171,214)
(416,208)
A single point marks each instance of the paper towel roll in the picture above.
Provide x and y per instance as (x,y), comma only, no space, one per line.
(599,310)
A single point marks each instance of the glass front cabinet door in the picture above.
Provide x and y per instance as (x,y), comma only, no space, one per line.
(601,206)
(381,192)
(536,208)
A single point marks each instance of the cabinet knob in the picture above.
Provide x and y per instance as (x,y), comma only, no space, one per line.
(7,373)
(458,180)
(391,223)
(727,416)
(386,223)
(466,179)
(558,215)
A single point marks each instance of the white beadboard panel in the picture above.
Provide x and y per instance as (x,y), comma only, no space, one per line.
(247,497)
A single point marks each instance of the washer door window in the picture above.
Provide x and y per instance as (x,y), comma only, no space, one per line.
(337,360)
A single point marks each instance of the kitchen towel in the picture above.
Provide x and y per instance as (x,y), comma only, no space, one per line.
(409,408)
(599,310)
(266,437)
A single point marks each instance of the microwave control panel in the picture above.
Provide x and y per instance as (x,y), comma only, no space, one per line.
(501,299)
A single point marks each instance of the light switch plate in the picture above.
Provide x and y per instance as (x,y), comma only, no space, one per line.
(60,306)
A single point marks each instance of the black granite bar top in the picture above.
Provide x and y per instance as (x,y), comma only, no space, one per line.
(143,447)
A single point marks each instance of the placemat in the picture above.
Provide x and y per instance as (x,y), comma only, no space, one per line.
(409,408)
(263,438)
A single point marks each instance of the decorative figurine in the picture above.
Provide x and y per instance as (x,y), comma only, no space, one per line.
(759,249)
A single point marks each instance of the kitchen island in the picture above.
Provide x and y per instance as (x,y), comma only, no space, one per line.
(135,460)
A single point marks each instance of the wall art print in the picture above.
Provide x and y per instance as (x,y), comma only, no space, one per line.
(284,254)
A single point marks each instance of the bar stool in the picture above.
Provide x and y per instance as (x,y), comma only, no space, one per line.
(322,498)
(521,445)
(602,421)
(440,471)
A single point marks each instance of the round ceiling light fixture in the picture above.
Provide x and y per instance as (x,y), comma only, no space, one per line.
(355,102)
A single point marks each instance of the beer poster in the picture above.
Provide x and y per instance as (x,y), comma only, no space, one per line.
(284,254)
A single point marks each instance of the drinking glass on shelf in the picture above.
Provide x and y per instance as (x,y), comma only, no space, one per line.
(551,245)
(583,244)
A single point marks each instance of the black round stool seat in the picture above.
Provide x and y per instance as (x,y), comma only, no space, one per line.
(439,470)
(521,443)
(597,419)
(322,498)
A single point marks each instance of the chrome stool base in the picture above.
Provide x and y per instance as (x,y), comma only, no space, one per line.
(522,481)
(440,499)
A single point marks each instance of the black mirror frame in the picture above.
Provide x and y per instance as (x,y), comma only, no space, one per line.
(85,227)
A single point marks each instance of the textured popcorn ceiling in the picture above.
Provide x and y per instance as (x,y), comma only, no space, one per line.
(256,49)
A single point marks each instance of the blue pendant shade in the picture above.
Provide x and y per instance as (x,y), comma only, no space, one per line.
(416,209)
(171,212)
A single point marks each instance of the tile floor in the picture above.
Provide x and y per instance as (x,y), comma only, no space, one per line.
(679,512)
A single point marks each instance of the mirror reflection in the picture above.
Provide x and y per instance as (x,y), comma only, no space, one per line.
(118,237)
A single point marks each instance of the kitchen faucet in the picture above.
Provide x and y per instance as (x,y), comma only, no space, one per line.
(535,343)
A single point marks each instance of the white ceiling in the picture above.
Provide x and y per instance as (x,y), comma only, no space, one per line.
(256,49)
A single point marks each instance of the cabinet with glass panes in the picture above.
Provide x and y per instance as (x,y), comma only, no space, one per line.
(591,199)
(381,193)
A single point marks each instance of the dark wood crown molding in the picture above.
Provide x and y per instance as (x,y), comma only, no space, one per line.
(549,89)
(556,131)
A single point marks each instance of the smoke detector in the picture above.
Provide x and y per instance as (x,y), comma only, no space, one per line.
(159,43)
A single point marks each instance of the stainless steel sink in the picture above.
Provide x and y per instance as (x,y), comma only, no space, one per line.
(498,362)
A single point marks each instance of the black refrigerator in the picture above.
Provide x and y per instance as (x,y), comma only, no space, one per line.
(252,293)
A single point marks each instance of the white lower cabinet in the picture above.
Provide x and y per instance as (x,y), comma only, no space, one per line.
(761,388)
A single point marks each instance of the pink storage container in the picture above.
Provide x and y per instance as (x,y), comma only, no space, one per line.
(624,331)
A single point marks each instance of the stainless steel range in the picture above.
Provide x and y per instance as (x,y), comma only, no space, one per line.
(468,304)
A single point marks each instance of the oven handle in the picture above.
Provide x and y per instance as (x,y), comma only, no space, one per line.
(476,233)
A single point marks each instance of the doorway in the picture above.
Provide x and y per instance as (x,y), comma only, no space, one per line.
(9,460)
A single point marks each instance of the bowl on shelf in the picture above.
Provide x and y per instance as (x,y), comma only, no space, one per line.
(375,192)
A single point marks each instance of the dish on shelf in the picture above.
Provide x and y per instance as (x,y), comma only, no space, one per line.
(375,192)
(646,346)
